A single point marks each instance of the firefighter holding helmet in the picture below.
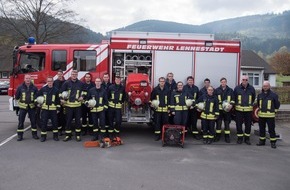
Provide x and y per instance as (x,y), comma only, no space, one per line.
(73,88)
(268,105)
(160,97)
(244,95)
(48,100)
(26,96)
(116,98)
(225,96)
(97,103)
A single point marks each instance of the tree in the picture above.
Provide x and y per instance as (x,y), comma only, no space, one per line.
(280,61)
(46,20)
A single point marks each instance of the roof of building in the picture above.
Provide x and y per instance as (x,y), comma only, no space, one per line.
(252,60)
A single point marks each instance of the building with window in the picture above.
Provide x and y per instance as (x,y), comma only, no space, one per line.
(257,69)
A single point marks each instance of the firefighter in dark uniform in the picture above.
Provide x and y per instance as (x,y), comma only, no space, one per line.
(171,85)
(224,93)
(26,95)
(49,108)
(268,105)
(244,95)
(209,114)
(193,91)
(61,113)
(98,94)
(116,98)
(73,105)
(105,85)
(178,106)
(162,94)
(203,90)
(87,120)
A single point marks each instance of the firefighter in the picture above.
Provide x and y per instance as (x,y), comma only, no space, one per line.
(72,105)
(209,114)
(25,95)
(244,96)
(203,90)
(178,106)
(225,95)
(116,98)
(268,105)
(87,120)
(61,113)
(193,91)
(171,85)
(98,94)
(105,85)
(161,94)
(49,108)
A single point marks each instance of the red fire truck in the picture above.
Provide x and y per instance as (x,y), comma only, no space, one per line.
(140,58)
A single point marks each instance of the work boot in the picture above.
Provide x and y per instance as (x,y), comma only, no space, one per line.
(55,137)
(34,135)
(227,138)
(247,140)
(78,138)
(19,137)
(261,143)
(111,136)
(84,131)
(157,137)
(196,136)
(42,138)
(66,138)
(273,145)
(60,133)
(210,141)
(240,140)
(217,137)
(204,141)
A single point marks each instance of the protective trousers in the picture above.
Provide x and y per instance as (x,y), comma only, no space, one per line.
(207,128)
(87,120)
(45,115)
(61,119)
(22,114)
(192,121)
(99,123)
(161,118)
(73,112)
(115,115)
(243,117)
(271,128)
(226,117)
(180,117)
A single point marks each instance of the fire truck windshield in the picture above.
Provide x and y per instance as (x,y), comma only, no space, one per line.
(31,62)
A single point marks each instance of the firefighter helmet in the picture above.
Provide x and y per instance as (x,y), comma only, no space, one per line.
(92,103)
(64,95)
(189,102)
(200,106)
(40,99)
(226,106)
(155,103)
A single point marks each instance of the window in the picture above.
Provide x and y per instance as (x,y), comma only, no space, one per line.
(254,78)
(32,62)
(4,75)
(59,60)
(84,60)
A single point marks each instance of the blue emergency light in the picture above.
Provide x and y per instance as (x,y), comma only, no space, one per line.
(31,40)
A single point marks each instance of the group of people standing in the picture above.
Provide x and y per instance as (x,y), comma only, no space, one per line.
(65,100)
(174,109)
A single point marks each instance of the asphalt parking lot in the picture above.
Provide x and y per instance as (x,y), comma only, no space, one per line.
(140,163)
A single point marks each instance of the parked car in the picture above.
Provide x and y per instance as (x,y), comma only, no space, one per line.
(4,85)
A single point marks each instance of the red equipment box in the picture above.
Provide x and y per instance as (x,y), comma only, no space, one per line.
(173,135)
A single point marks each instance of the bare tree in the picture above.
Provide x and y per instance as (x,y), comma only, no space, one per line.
(46,20)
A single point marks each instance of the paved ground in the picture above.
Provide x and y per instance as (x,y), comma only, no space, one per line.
(140,163)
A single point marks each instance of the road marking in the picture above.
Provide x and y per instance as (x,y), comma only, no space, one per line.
(10,138)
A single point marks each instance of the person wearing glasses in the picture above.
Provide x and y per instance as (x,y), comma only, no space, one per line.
(244,96)
(162,94)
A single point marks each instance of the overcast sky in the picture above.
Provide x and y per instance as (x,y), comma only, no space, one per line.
(106,15)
